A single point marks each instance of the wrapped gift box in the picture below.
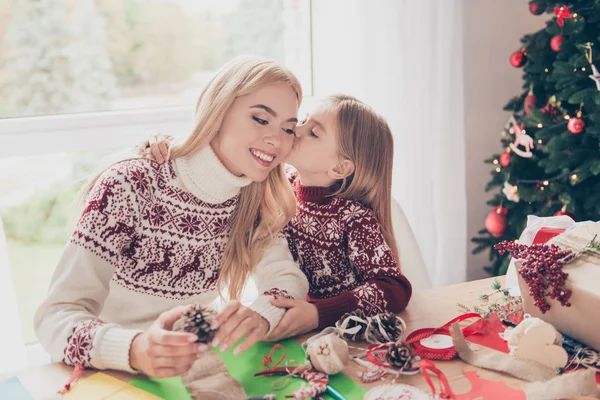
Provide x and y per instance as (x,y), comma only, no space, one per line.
(581,321)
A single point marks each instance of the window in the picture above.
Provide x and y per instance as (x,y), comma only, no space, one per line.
(68,56)
(81,81)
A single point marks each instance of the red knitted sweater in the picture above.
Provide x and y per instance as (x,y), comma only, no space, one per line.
(342,251)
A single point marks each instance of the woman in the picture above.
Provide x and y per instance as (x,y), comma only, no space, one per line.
(152,237)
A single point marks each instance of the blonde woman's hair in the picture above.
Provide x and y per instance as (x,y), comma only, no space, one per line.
(264,208)
(365,138)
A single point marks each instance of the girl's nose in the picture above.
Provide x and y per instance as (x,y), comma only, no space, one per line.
(300,131)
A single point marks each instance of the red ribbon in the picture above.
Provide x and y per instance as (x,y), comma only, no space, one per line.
(75,375)
(445,390)
(269,359)
(448,353)
(561,13)
(545,234)
(372,353)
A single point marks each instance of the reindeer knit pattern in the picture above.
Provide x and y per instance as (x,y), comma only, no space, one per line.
(340,248)
(161,241)
(150,237)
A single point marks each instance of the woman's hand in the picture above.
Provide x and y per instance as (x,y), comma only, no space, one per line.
(301,317)
(237,321)
(156,148)
(159,352)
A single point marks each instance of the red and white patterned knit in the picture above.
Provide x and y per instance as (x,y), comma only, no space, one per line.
(343,253)
(149,238)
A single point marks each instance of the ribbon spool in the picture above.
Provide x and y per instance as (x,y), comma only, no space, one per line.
(396,391)
(436,343)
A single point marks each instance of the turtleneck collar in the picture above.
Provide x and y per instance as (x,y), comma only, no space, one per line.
(204,175)
(313,194)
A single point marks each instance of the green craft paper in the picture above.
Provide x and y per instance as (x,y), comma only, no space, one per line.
(166,388)
(13,389)
(244,366)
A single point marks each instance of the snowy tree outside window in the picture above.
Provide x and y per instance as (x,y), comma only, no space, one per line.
(71,56)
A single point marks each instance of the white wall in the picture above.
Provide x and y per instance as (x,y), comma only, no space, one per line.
(368,49)
(492,30)
(338,41)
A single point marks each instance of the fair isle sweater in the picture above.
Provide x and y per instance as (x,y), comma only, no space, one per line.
(342,251)
(150,237)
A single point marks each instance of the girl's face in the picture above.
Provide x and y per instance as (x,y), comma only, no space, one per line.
(257,132)
(315,152)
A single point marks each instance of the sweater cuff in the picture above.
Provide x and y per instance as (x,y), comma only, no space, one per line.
(331,310)
(114,348)
(263,307)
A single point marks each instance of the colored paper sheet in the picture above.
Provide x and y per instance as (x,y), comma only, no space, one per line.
(98,386)
(133,393)
(13,389)
(167,388)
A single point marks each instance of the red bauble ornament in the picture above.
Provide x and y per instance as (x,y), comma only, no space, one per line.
(576,125)
(495,222)
(505,159)
(556,42)
(530,101)
(518,58)
(535,9)
(568,214)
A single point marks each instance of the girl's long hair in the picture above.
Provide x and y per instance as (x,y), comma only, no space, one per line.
(365,138)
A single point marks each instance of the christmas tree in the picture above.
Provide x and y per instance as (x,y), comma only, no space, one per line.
(550,151)
(55,59)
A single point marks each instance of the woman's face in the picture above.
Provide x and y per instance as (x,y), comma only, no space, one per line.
(257,132)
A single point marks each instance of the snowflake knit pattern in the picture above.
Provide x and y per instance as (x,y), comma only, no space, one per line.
(161,239)
(342,251)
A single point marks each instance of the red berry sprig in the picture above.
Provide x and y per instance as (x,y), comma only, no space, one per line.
(541,268)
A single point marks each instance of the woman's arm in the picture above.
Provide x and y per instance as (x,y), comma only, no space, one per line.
(277,276)
(67,322)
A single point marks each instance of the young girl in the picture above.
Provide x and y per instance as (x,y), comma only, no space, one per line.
(152,237)
(342,232)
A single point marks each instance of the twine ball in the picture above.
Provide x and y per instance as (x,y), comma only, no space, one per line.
(328,354)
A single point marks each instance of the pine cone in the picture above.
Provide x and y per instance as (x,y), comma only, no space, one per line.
(197,319)
(388,323)
(399,355)
(352,323)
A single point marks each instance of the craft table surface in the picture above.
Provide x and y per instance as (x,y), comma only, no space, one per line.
(427,309)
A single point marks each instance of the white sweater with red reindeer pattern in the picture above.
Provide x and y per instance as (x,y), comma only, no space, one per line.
(150,237)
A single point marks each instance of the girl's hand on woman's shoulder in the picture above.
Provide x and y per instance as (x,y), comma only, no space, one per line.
(156,148)
(237,321)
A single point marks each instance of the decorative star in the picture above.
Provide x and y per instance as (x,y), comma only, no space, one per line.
(595,77)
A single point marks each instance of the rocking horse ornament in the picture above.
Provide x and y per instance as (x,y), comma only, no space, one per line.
(521,139)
